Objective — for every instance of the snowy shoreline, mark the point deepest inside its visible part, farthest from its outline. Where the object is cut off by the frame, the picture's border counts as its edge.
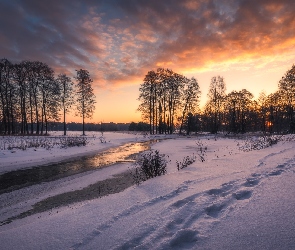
(16, 159)
(184, 209)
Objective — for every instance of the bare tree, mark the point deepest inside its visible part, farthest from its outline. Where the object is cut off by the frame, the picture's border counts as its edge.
(85, 96)
(262, 110)
(34, 95)
(287, 90)
(215, 104)
(148, 98)
(190, 100)
(8, 96)
(49, 95)
(238, 104)
(175, 84)
(20, 72)
(67, 96)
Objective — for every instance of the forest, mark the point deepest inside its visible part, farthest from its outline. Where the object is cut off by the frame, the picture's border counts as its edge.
(31, 97)
(169, 102)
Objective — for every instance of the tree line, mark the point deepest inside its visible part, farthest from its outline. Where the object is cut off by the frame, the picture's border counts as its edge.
(31, 96)
(100, 127)
(169, 102)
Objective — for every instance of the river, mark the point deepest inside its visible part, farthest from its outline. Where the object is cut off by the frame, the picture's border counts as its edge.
(30, 176)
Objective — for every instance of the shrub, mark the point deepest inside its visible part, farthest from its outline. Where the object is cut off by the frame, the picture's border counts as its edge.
(102, 138)
(26, 142)
(66, 142)
(149, 165)
(201, 150)
(259, 143)
(188, 160)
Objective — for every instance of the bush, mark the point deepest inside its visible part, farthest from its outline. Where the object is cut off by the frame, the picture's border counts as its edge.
(26, 142)
(149, 165)
(259, 143)
(102, 138)
(201, 150)
(67, 142)
(188, 160)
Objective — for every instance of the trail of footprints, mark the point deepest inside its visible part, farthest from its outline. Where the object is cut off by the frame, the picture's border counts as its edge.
(227, 195)
(216, 203)
(219, 202)
(187, 213)
(239, 191)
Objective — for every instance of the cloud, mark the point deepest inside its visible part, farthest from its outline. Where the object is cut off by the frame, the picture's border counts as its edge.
(119, 41)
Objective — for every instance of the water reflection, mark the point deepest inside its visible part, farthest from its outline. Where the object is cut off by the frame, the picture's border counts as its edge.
(26, 177)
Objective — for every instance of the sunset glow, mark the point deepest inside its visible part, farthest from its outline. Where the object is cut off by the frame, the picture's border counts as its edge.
(250, 43)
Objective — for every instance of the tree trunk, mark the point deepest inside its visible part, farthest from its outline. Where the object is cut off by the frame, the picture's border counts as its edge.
(37, 115)
(83, 114)
(42, 118)
(65, 127)
(64, 108)
(31, 111)
(83, 124)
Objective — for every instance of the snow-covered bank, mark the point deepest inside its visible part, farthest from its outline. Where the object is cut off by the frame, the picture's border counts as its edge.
(184, 209)
(15, 159)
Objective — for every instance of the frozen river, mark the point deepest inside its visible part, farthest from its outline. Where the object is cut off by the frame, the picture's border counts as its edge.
(25, 177)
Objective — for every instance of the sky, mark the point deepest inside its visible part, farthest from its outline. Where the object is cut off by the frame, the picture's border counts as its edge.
(251, 43)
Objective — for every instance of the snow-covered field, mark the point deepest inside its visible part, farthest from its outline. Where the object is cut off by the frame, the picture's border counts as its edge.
(235, 199)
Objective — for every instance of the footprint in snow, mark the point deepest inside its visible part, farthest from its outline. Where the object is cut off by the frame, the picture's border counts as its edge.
(251, 182)
(215, 191)
(255, 175)
(223, 191)
(276, 172)
(214, 210)
(179, 203)
(173, 224)
(185, 238)
(242, 195)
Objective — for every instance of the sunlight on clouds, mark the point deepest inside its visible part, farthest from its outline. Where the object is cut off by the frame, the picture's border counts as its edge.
(146, 36)
(164, 64)
(191, 5)
(244, 63)
(274, 7)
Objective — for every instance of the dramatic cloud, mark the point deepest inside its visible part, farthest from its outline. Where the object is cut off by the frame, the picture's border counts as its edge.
(119, 41)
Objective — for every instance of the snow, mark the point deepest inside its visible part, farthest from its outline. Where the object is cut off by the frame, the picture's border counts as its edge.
(235, 199)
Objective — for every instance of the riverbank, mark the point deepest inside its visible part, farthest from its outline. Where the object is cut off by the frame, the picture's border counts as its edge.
(13, 159)
(16, 159)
